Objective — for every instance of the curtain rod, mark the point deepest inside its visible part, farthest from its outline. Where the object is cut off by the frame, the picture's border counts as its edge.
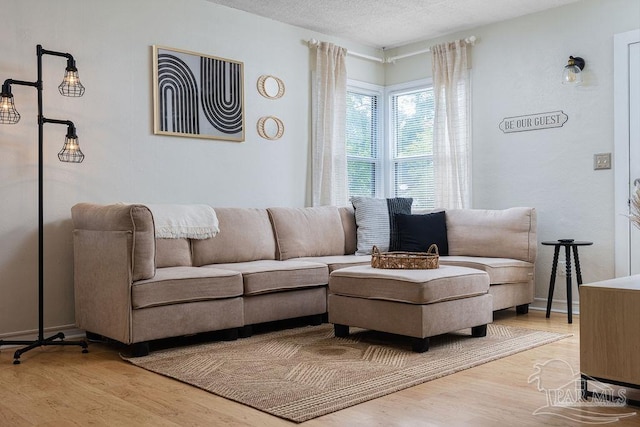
(471, 40)
(313, 42)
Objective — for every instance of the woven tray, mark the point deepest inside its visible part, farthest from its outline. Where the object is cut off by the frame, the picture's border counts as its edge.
(406, 260)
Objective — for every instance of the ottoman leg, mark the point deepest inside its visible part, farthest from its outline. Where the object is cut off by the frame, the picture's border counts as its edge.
(479, 331)
(341, 330)
(420, 345)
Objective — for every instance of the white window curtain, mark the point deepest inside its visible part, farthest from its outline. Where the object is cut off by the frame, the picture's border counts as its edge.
(452, 134)
(329, 158)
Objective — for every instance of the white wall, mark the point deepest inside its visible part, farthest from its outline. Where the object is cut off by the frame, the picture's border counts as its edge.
(111, 41)
(517, 66)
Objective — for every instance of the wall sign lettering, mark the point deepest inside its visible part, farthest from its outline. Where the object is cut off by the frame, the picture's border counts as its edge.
(552, 119)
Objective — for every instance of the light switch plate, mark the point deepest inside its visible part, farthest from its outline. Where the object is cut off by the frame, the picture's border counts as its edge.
(602, 161)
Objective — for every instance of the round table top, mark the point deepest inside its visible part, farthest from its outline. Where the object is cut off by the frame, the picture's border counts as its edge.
(567, 242)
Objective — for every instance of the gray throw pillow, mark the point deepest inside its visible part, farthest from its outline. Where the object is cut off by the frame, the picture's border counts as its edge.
(374, 221)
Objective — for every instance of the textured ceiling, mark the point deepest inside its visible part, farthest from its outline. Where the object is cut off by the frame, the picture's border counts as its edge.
(390, 23)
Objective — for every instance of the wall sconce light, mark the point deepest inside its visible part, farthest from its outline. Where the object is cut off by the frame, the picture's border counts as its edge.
(70, 152)
(572, 73)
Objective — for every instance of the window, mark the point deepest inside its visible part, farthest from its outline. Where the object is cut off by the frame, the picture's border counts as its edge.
(401, 163)
(411, 134)
(364, 172)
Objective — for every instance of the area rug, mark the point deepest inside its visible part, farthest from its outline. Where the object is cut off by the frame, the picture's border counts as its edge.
(302, 373)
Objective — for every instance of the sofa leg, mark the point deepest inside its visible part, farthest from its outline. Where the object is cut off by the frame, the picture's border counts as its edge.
(246, 331)
(230, 334)
(479, 331)
(341, 331)
(420, 345)
(139, 349)
(315, 320)
(522, 309)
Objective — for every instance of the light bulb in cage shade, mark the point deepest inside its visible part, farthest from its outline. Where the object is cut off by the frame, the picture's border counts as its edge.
(71, 85)
(8, 112)
(71, 152)
(572, 72)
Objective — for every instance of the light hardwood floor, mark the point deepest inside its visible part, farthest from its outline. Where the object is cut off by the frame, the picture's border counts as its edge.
(59, 386)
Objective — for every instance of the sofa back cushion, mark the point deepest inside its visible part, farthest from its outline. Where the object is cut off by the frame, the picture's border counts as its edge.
(173, 253)
(245, 235)
(305, 232)
(348, 217)
(136, 219)
(508, 233)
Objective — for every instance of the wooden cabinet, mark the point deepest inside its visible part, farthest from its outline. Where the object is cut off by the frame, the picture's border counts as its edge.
(610, 330)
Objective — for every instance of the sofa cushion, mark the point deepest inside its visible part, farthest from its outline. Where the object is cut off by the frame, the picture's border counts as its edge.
(500, 270)
(173, 253)
(136, 219)
(374, 221)
(335, 262)
(174, 285)
(261, 277)
(409, 286)
(245, 235)
(508, 233)
(417, 232)
(312, 231)
(348, 217)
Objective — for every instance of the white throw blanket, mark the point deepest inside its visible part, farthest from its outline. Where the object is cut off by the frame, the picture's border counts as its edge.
(184, 221)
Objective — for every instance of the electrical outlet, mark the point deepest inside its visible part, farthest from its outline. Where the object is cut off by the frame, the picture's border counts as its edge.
(602, 161)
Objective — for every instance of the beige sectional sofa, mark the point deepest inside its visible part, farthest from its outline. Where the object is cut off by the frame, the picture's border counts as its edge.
(264, 265)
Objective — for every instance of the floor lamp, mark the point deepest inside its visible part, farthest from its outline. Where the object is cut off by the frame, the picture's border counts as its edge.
(70, 152)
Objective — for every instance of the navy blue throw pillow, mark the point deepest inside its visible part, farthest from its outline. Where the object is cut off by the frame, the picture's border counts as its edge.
(417, 232)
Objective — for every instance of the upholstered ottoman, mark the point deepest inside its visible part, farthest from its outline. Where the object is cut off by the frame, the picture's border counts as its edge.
(416, 303)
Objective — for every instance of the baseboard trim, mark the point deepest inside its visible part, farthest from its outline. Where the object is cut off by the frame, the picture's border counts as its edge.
(69, 331)
(557, 306)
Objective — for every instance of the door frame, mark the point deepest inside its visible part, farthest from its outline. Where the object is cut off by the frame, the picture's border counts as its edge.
(622, 176)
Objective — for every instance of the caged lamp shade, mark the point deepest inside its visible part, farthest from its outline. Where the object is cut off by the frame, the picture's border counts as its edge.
(8, 112)
(71, 152)
(71, 85)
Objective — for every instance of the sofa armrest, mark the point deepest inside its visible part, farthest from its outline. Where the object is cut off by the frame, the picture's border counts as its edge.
(102, 282)
(136, 219)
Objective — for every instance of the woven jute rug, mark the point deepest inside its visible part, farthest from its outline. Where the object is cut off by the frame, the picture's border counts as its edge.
(302, 373)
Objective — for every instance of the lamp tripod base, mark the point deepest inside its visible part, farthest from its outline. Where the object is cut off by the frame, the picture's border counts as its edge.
(42, 342)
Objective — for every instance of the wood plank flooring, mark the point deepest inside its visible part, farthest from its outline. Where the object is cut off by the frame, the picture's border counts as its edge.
(60, 386)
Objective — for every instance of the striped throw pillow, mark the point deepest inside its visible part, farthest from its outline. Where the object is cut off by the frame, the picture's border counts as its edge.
(374, 221)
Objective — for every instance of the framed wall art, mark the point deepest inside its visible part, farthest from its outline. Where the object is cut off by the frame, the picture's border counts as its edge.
(197, 95)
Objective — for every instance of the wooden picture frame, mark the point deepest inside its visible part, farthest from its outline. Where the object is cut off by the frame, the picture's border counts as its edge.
(197, 95)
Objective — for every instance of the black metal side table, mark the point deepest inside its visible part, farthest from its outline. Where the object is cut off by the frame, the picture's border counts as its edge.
(568, 244)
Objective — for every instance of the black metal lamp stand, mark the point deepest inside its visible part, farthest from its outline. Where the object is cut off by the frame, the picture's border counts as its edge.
(70, 152)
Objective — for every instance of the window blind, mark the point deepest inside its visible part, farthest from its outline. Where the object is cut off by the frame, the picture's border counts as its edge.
(412, 118)
(362, 139)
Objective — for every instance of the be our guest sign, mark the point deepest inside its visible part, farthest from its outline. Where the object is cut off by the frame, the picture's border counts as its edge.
(552, 119)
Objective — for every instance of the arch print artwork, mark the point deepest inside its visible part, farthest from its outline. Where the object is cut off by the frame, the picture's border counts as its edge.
(197, 95)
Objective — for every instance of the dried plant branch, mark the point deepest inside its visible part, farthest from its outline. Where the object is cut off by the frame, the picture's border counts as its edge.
(635, 208)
